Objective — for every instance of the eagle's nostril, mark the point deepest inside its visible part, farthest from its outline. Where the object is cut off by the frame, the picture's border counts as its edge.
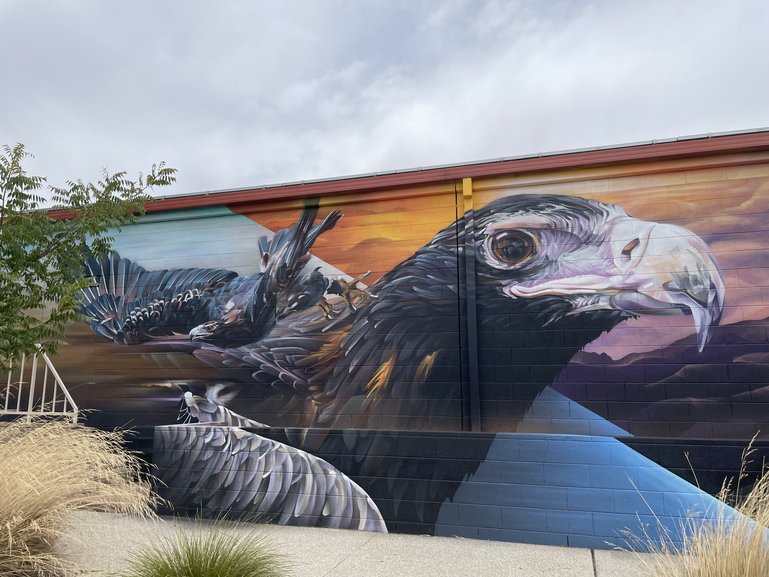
(627, 251)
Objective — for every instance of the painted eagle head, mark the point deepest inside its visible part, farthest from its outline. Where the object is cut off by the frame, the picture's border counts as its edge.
(584, 263)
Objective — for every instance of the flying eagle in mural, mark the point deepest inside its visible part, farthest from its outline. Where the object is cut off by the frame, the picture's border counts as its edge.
(132, 305)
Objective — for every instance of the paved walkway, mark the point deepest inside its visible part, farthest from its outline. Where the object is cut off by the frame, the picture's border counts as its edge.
(101, 543)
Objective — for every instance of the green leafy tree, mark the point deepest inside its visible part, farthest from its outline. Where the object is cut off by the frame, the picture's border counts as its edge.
(42, 250)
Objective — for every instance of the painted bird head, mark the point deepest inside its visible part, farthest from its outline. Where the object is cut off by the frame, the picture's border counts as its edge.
(576, 261)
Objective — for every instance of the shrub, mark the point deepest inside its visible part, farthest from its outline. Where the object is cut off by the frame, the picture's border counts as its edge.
(724, 547)
(218, 551)
(49, 469)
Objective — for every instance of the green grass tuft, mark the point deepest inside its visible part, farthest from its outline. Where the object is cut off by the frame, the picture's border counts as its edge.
(216, 551)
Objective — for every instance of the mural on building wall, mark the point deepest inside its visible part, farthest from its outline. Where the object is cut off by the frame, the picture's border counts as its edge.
(552, 274)
(335, 353)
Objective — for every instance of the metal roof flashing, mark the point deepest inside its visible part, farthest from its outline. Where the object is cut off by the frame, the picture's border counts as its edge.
(655, 150)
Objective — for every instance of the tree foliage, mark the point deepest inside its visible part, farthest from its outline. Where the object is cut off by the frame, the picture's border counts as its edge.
(42, 250)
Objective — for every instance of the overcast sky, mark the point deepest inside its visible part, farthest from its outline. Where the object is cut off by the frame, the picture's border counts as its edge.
(242, 93)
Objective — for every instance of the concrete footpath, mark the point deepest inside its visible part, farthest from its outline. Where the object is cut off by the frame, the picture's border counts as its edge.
(101, 543)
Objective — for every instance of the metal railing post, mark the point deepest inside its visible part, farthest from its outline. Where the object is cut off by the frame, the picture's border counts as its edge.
(21, 381)
(68, 406)
(32, 378)
(8, 386)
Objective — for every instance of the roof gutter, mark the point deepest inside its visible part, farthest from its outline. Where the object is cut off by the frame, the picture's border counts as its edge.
(653, 151)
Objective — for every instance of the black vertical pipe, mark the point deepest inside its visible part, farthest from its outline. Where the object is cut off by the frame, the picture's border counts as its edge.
(472, 316)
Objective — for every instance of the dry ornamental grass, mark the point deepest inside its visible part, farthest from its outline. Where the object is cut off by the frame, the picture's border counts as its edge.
(729, 546)
(49, 469)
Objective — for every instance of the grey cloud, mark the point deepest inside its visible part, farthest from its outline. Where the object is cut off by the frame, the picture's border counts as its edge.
(244, 93)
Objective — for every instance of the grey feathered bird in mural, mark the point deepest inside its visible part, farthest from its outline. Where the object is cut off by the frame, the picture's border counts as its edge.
(221, 463)
(132, 305)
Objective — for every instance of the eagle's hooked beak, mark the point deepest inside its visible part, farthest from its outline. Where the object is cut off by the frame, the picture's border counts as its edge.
(204, 331)
(639, 268)
(668, 269)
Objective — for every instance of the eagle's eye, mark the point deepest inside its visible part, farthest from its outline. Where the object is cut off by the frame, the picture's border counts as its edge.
(512, 248)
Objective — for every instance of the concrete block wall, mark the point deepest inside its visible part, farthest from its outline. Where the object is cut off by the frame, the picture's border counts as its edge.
(569, 490)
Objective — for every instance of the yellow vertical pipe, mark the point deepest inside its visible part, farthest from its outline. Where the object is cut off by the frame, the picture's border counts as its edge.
(467, 193)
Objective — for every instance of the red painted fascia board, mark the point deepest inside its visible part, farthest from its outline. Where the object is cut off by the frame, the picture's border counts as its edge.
(647, 152)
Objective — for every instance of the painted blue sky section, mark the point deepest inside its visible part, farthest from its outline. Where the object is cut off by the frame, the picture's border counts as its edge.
(208, 237)
(212, 237)
(572, 490)
(552, 412)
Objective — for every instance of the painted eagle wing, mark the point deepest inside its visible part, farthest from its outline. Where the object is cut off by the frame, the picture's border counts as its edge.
(228, 469)
(131, 305)
(370, 362)
(396, 344)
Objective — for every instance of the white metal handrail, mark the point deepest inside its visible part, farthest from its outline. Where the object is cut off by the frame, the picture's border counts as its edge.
(35, 390)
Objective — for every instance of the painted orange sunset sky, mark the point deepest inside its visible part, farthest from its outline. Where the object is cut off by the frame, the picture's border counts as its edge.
(727, 207)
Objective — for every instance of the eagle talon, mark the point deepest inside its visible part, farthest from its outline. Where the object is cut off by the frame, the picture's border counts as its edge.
(326, 308)
(351, 294)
